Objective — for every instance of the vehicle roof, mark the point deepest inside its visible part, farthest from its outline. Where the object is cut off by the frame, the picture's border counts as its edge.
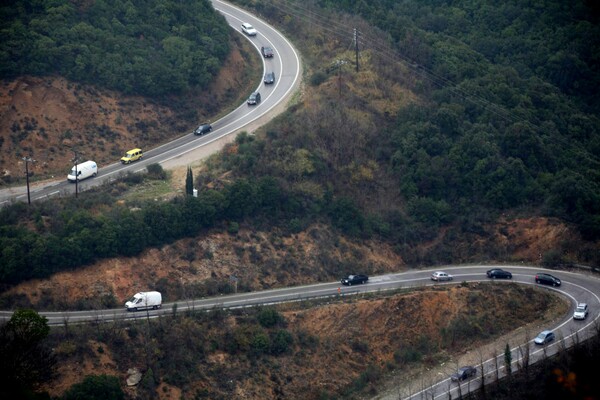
(133, 150)
(247, 25)
(545, 332)
(582, 305)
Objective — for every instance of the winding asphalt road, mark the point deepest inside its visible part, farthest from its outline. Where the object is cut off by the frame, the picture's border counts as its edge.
(287, 68)
(286, 65)
(576, 287)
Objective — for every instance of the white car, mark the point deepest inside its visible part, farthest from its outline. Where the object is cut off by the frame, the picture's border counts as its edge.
(581, 312)
(248, 29)
(441, 276)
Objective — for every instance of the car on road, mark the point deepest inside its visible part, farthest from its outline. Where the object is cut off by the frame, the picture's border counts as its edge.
(464, 373)
(354, 280)
(132, 155)
(544, 337)
(266, 51)
(254, 99)
(439, 276)
(498, 273)
(248, 29)
(581, 312)
(547, 279)
(202, 129)
(269, 78)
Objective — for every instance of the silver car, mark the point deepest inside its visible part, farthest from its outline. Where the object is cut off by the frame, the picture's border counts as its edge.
(248, 29)
(439, 276)
(544, 337)
(581, 312)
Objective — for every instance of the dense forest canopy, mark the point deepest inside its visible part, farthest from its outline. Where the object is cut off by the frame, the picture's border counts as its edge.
(556, 41)
(145, 47)
(508, 111)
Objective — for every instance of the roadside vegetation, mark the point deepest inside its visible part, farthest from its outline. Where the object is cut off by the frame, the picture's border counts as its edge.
(383, 153)
(320, 349)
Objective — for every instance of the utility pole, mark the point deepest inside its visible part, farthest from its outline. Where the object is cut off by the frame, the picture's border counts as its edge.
(76, 160)
(27, 161)
(356, 46)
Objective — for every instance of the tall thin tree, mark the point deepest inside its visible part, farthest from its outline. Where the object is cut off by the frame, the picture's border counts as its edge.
(189, 182)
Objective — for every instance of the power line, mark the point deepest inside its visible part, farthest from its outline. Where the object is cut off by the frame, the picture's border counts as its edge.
(331, 25)
(341, 30)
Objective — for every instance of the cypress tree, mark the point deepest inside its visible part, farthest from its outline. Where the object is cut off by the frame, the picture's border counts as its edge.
(189, 182)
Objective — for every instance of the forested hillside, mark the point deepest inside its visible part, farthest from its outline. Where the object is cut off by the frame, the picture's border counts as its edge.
(429, 155)
(506, 116)
(144, 47)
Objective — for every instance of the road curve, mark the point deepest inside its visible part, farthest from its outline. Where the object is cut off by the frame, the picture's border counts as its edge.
(287, 67)
(576, 287)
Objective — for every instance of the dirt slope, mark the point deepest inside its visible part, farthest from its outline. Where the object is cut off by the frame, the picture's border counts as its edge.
(46, 117)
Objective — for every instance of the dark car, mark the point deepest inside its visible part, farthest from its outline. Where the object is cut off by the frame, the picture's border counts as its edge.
(267, 52)
(202, 129)
(498, 273)
(254, 98)
(269, 77)
(547, 279)
(355, 280)
(464, 373)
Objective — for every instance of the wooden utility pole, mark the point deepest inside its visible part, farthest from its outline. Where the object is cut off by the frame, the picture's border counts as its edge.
(76, 160)
(356, 46)
(27, 161)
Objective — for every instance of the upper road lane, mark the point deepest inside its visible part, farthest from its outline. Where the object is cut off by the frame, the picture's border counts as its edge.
(287, 68)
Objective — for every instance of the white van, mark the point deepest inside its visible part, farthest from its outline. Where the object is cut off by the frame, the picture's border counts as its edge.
(144, 300)
(84, 170)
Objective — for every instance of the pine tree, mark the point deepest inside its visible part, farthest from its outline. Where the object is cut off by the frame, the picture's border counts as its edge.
(189, 182)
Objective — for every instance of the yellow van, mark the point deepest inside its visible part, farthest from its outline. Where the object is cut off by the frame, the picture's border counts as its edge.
(132, 155)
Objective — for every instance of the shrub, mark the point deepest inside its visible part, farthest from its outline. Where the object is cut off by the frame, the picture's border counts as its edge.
(317, 78)
(156, 171)
(407, 355)
(96, 387)
(260, 343)
(269, 317)
(281, 342)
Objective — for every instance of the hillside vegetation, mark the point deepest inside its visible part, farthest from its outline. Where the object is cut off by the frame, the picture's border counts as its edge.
(504, 114)
(396, 158)
(148, 47)
(339, 350)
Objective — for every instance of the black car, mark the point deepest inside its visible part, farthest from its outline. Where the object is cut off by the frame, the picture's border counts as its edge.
(547, 279)
(498, 273)
(267, 52)
(464, 373)
(254, 99)
(354, 280)
(269, 78)
(202, 129)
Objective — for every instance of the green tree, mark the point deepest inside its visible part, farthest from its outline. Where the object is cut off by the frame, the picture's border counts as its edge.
(281, 342)
(508, 360)
(269, 317)
(26, 360)
(189, 182)
(96, 387)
